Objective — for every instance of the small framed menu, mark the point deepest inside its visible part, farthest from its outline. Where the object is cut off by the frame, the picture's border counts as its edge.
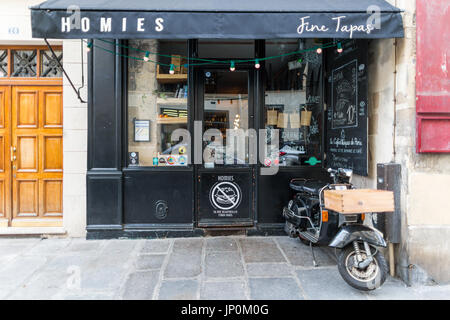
(141, 130)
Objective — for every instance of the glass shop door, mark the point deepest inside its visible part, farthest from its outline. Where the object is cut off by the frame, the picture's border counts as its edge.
(226, 177)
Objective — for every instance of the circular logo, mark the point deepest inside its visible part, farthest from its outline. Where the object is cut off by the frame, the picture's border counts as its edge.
(267, 162)
(171, 160)
(225, 195)
(182, 160)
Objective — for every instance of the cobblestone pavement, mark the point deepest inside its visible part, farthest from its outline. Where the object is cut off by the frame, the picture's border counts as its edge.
(190, 268)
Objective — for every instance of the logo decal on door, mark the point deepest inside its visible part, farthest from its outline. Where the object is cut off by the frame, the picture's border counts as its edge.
(225, 195)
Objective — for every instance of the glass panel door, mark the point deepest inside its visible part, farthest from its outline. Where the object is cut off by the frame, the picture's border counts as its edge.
(225, 118)
(225, 178)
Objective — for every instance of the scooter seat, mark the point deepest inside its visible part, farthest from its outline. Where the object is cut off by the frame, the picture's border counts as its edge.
(308, 186)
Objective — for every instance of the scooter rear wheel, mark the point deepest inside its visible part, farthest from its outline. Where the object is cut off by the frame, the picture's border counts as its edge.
(370, 278)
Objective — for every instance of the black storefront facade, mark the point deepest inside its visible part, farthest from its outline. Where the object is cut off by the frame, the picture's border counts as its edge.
(155, 67)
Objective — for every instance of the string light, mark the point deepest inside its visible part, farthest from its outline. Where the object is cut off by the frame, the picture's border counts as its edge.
(89, 46)
(318, 49)
(232, 66)
(147, 55)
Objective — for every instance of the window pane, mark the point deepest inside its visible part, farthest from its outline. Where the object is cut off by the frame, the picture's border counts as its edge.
(49, 65)
(293, 101)
(3, 63)
(225, 118)
(226, 49)
(24, 63)
(157, 103)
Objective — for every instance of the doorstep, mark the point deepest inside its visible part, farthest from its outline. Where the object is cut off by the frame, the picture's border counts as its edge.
(25, 231)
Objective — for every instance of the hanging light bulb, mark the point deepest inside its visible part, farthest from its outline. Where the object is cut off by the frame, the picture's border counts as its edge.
(319, 50)
(339, 48)
(257, 65)
(89, 46)
(232, 66)
(147, 54)
(172, 69)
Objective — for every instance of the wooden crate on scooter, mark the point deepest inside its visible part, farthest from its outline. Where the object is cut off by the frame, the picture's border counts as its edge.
(359, 201)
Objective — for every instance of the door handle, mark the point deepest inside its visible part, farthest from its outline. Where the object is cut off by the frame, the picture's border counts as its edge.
(13, 157)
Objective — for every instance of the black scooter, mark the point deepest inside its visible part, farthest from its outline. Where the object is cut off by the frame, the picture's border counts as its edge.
(360, 263)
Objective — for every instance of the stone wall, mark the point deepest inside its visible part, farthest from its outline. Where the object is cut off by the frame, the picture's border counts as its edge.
(75, 140)
(424, 254)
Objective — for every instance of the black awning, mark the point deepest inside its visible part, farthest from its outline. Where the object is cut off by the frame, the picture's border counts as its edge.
(214, 19)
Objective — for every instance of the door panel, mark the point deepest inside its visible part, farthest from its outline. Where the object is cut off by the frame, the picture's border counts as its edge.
(5, 161)
(225, 179)
(37, 170)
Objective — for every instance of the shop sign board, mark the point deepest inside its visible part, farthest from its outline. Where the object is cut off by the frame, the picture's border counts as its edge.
(347, 108)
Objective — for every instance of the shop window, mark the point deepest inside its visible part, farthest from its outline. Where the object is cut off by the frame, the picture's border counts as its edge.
(157, 103)
(293, 102)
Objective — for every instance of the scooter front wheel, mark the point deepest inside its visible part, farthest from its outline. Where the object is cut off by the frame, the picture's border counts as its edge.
(369, 278)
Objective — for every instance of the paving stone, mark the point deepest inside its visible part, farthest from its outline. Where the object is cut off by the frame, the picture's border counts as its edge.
(119, 247)
(187, 245)
(327, 284)
(105, 278)
(156, 246)
(268, 270)
(274, 289)
(394, 289)
(178, 290)
(153, 261)
(428, 293)
(9, 252)
(185, 260)
(85, 247)
(45, 285)
(221, 244)
(223, 264)
(260, 250)
(18, 270)
(48, 247)
(230, 290)
(83, 295)
(140, 285)
(299, 254)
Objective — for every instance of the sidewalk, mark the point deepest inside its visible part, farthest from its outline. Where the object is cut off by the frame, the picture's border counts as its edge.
(192, 268)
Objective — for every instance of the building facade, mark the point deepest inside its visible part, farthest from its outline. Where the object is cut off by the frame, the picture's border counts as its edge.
(116, 165)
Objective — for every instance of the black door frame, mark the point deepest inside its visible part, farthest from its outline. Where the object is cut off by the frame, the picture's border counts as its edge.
(252, 168)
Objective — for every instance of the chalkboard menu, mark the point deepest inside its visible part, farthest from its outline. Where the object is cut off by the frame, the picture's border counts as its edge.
(347, 107)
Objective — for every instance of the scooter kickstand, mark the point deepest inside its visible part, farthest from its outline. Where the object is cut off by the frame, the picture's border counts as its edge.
(315, 264)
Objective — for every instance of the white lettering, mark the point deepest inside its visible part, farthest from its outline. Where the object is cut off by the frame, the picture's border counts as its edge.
(338, 26)
(305, 26)
(124, 24)
(65, 24)
(105, 24)
(159, 24)
(85, 24)
(140, 24)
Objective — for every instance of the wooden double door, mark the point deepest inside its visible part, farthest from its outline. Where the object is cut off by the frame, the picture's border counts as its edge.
(31, 156)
